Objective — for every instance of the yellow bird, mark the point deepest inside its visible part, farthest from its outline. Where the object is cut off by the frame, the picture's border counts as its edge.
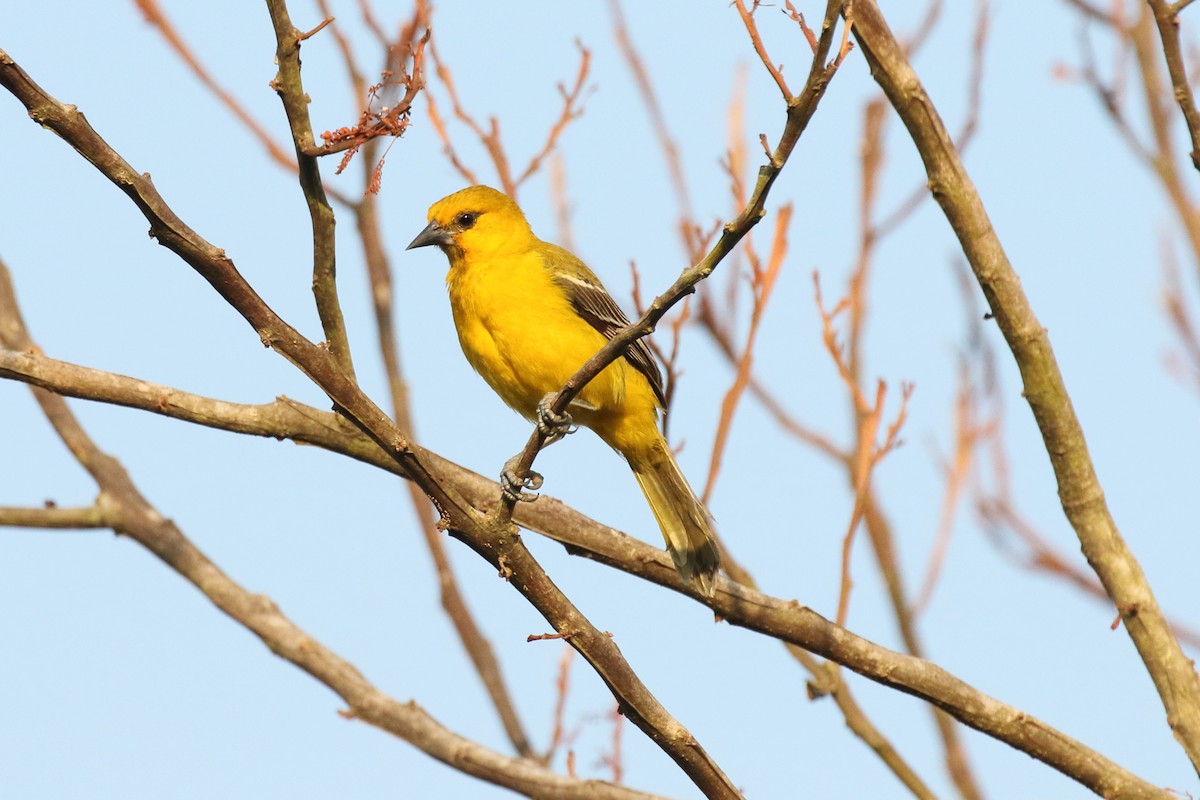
(529, 314)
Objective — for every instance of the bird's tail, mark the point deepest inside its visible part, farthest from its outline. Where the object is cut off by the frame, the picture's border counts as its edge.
(686, 524)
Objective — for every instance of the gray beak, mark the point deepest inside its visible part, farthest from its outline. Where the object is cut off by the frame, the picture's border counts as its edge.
(433, 234)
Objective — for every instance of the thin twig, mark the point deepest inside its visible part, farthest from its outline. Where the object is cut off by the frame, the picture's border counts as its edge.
(490, 138)
(867, 454)
(761, 287)
(776, 72)
(559, 736)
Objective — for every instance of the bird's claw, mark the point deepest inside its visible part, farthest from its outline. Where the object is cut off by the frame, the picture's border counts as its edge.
(518, 485)
(515, 486)
(553, 425)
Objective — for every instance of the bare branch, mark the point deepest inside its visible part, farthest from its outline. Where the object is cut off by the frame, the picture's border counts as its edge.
(572, 109)
(1166, 17)
(1082, 497)
(288, 85)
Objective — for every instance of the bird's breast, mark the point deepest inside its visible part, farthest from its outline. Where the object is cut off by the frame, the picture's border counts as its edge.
(520, 333)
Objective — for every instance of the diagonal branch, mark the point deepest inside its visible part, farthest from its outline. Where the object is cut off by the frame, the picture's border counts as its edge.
(1166, 17)
(1082, 498)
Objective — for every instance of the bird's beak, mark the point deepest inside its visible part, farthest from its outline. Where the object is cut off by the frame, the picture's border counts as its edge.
(433, 234)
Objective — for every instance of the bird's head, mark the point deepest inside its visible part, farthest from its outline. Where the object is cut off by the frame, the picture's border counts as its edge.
(476, 222)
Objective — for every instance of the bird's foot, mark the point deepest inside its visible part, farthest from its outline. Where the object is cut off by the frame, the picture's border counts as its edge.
(515, 484)
(553, 426)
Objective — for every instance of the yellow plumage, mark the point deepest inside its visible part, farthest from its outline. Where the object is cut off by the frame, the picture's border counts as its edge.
(528, 315)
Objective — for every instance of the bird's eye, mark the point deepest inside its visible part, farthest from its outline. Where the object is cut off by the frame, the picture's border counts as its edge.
(466, 219)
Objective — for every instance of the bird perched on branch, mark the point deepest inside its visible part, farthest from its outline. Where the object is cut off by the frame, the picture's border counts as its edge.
(529, 314)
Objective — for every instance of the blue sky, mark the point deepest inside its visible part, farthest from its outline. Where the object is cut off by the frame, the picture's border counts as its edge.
(122, 681)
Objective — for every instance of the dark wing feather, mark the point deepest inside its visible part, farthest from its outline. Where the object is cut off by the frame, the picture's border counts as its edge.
(594, 304)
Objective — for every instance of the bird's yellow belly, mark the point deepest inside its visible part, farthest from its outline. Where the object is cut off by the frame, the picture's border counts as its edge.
(527, 342)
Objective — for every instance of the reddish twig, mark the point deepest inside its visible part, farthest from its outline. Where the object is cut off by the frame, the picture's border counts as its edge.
(380, 117)
(867, 453)
(439, 127)
(562, 686)
(762, 283)
(614, 759)
(490, 138)
(562, 205)
(776, 72)
(969, 433)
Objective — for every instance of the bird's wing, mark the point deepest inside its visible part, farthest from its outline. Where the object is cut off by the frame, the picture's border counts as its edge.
(594, 304)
